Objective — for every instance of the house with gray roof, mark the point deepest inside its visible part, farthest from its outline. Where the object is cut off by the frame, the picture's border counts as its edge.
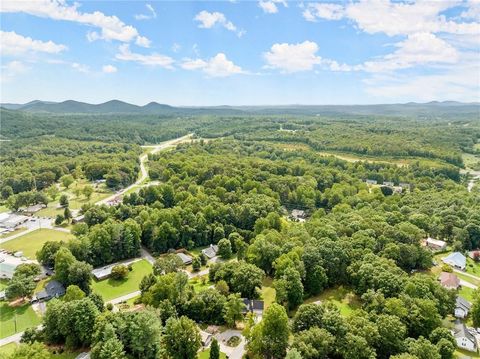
(462, 307)
(211, 251)
(53, 289)
(186, 259)
(456, 260)
(465, 340)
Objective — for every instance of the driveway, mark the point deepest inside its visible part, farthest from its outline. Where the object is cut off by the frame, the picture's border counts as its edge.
(231, 352)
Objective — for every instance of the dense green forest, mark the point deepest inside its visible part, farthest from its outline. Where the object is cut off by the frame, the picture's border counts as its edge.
(235, 184)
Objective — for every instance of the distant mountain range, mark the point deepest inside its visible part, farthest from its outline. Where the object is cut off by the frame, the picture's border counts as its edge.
(153, 108)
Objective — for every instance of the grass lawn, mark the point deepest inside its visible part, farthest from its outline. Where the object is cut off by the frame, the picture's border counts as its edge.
(111, 288)
(3, 284)
(199, 285)
(460, 353)
(205, 354)
(467, 293)
(343, 298)
(31, 242)
(468, 279)
(268, 292)
(473, 267)
(24, 317)
(9, 349)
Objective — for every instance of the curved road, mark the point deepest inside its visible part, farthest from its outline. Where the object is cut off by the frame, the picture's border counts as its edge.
(143, 170)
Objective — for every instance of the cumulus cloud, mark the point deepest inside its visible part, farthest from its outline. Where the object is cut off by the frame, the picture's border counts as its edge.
(207, 20)
(397, 18)
(11, 69)
(217, 66)
(149, 60)
(12, 43)
(152, 14)
(270, 6)
(111, 27)
(417, 49)
(293, 57)
(109, 69)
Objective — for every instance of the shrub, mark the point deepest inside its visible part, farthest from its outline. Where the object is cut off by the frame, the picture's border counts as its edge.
(119, 271)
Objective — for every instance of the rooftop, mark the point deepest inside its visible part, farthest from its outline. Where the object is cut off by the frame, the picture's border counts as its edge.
(456, 259)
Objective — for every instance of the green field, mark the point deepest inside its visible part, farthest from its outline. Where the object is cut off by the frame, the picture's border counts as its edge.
(9, 348)
(111, 288)
(467, 293)
(205, 354)
(31, 242)
(344, 299)
(15, 231)
(198, 285)
(15, 320)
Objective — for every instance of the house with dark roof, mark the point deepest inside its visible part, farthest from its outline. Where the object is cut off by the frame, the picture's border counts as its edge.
(449, 280)
(456, 260)
(211, 251)
(253, 306)
(462, 307)
(465, 340)
(53, 289)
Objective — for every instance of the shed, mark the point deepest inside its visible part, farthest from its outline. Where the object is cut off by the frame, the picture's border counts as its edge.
(186, 259)
(436, 244)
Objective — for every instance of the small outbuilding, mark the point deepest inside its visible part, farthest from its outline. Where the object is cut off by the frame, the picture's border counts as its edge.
(298, 215)
(436, 244)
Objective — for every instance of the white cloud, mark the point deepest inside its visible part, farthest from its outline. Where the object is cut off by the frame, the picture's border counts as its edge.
(12, 43)
(176, 47)
(395, 18)
(461, 84)
(109, 69)
(149, 60)
(11, 69)
(142, 41)
(207, 20)
(323, 11)
(293, 57)
(217, 66)
(152, 14)
(111, 27)
(80, 68)
(417, 49)
(270, 6)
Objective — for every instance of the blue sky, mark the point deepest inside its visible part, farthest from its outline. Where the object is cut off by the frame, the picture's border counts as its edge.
(240, 52)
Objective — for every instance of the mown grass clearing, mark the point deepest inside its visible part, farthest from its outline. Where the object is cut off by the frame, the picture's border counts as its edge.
(205, 354)
(345, 300)
(112, 288)
(268, 292)
(32, 242)
(16, 319)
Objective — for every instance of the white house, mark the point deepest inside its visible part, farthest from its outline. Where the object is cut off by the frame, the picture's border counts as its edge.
(456, 260)
(462, 307)
(465, 340)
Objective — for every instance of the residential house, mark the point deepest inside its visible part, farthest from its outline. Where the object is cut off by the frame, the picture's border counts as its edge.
(53, 289)
(104, 272)
(206, 338)
(462, 307)
(449, 280)
(253, 306)
(456, 260)
(211, 251)
(465, 340)
(436, 244)
(186, 259)
(370, 181)
(13, 221)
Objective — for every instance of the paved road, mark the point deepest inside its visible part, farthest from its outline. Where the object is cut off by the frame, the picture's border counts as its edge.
(31, 225)
(125, 297)
(464, 283)
(143, 170)
(466, 274)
